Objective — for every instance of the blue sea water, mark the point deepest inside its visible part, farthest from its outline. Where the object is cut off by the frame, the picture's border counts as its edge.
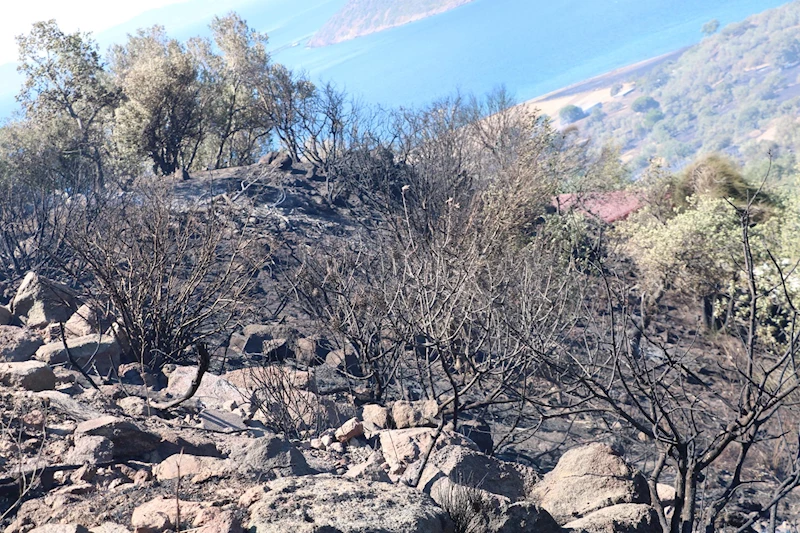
(530, 46)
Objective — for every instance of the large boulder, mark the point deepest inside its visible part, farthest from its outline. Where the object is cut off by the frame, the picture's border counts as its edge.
(129, 441)
(414, 414)
(587, 479)
(270, 340)
(40, 301)
(623, 518)
(325, 503)
(473, 509)
(99, 351)
(269, 457)
(161, 514)
(18, 344)
(401, 447)
(29, 375)
(466, 466)
(193, 467)
(85, 321)
(214, 391)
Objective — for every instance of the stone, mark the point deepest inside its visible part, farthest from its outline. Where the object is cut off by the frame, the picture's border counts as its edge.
(622, 518)
(129, 441)
(5, 315)
(270, 340)
(377, 415)
(586, 479)
(270, 456)
(414, 414)
(85, 321)
(222, 421)
(479, 432)
(370, 470)
(479, 510)
(316, 444)
(109, 527)
(465, 466)
(91, 450)
(336, 447)
(160, 514)
(134, 406)
(350, 429)
(59, 528)
(282, 161)
(345, 360)
(401, 447)
(18, 344)
(39, 301)
(214, 391)
(64, 404)
(666, 494)
(325, 503)
(192, 467)
(311, 351)
(215, 520)
(283, 376)
(100, 351)
(29, 375)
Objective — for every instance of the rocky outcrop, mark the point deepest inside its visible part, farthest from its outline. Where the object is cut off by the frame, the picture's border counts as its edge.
(39, 301)
(129, 441)
(326, 503)
(623, 518)
(587, 479)
(269, 457)
(18, 344)
(414, 414)
(29, 375)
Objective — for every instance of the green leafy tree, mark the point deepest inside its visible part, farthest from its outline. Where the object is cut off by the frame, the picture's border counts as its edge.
(644, 104)
(571, 113)
(163, 116)
(67, 87)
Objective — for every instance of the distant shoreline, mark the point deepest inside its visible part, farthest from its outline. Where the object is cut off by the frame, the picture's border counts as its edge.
(609, 78)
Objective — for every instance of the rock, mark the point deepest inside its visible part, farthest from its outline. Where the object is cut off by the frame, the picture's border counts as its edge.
(282, 161)
(64, 404)
(215, 520)
(269, 457)
(401, 447)
(414, 414)
(91, 450)
(134, 406)
(479, 432)
(336, 447)
(325, 503)
(160, 514)
(465, 466)
(370, 470)
(350, 429)
(316, 444)
(109, 527)
(40, 301)
(267, 158)
(59, 528)
(5, 315)
(270, 340)
(102, 351)
(18, 344)
(622, 518)
(666, 494)
(85, 321)
(474, 509)
(345, 360)
(191, 444)
(587, 479)
(311, 351)
(222, 421)
(213, 392)
(271, 375)
(377, 415)
(194, 467)
(129, 441)
(29, 375)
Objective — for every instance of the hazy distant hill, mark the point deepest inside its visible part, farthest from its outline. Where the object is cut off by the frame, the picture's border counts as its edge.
(737, 92)
(362, 17)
